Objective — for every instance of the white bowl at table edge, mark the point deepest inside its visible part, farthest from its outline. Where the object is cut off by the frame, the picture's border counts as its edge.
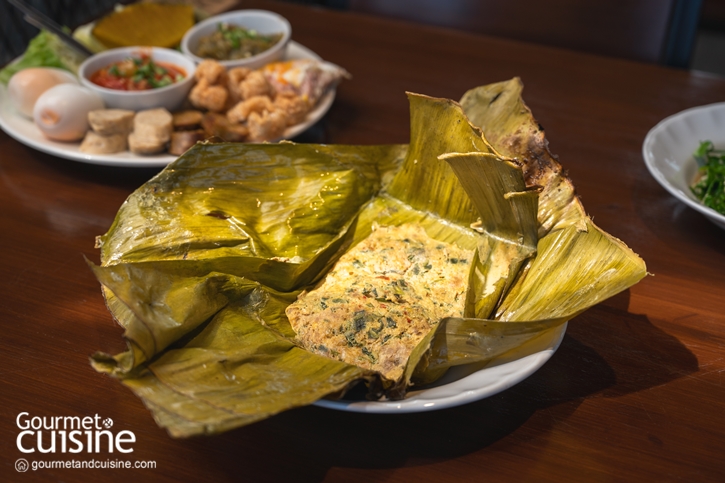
(668, 148)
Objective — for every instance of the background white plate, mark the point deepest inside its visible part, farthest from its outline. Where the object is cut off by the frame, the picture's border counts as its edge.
(25, 131)
(465, 384)
(668, 148)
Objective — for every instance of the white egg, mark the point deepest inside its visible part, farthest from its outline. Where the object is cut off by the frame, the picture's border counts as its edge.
(61, 112)
(27, 85)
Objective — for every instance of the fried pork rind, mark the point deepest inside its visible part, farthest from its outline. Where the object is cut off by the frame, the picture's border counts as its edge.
(254, 84)
(266, 125)
(206, 96)
(293, 107)
(235, 76)
(216, 124)
(280, 94)
(202, 261)
(211, 71)
(240, 112)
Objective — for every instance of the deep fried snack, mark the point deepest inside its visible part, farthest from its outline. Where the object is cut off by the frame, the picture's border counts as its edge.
(293, 107)
(255, 84)
(211, 71)
(235, 76)
(241, 111)
(207, 96)
(267, 126)
(217, 124)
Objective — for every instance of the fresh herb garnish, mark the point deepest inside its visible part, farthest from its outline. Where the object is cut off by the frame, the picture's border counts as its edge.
(710, 186)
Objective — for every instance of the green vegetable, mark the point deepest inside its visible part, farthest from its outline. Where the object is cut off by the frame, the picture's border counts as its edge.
(710, 187)
(45, 50)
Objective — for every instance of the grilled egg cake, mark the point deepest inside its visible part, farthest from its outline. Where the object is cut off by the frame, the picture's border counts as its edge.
(381, 298)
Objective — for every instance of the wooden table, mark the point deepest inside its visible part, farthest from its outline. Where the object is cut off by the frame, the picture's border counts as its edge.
(636, 391)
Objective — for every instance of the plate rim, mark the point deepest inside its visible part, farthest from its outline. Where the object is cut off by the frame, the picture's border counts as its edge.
(515, 371)
(8, 117)
(654, 171)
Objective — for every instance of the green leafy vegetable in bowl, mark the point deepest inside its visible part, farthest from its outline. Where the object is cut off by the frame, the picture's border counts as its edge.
(710, 184)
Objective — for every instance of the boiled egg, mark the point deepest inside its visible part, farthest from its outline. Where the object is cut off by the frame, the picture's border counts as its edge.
(27, 85)
(61, 112)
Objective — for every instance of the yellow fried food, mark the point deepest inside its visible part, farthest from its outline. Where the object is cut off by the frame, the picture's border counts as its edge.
(255, 84)
(241, 111)
(206, 96)
(266, 126)
(150, 24)
(294, 108)
(211, 71)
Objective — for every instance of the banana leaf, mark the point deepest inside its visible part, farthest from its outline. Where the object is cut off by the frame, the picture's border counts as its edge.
(269, 213)
(548, 291)
(201, 262)
(234, 372)
(499, 110)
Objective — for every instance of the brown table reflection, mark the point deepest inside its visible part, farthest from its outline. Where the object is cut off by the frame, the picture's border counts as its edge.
(636, 391)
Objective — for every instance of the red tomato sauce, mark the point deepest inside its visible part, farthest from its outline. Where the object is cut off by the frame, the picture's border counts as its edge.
(138, 74)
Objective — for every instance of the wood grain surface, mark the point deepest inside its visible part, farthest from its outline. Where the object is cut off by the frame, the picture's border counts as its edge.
(636, 391)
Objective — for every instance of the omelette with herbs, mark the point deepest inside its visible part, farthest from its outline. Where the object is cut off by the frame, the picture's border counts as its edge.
(381, 298)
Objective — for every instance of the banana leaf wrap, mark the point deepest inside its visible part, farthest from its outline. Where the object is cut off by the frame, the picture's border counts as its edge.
(203, 259)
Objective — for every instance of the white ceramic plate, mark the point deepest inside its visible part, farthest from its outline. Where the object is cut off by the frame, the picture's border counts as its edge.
(465, 384)
(668, 149)
(25, 131)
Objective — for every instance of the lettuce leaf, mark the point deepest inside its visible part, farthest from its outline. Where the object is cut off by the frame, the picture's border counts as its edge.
(44, 50)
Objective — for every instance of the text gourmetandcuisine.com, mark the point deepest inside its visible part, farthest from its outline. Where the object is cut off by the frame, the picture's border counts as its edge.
(23, 465)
